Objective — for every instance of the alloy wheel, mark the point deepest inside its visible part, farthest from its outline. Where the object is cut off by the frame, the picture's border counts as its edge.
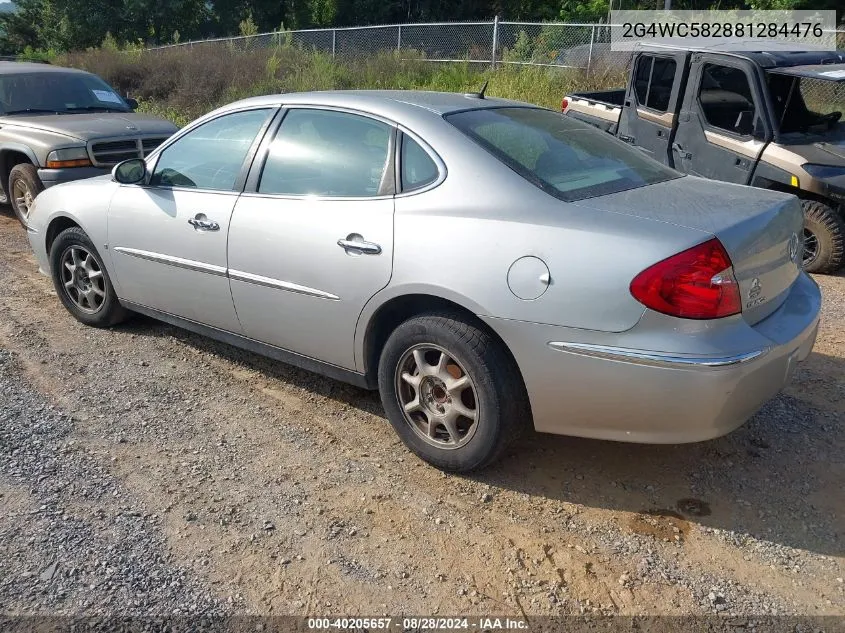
(437, 396)
(83, 280)
(23, 197)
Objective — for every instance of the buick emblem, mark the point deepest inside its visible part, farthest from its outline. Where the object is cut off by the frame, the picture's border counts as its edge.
(794, 247)
(755, 294)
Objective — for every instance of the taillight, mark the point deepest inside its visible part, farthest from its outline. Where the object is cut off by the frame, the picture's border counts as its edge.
(564, 104)
(698, 283)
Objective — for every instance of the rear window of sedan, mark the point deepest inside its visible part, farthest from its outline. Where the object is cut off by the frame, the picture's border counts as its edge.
(567, 159)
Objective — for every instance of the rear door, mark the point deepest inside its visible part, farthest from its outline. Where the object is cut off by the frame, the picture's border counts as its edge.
(654, 96)
(311, 238)
(723, 126)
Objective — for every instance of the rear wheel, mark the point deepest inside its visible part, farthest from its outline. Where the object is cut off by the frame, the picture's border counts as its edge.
(451, 392)
(824, 237)
(24, 186)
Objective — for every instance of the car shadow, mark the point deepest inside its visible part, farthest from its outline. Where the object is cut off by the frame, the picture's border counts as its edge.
(778, 478)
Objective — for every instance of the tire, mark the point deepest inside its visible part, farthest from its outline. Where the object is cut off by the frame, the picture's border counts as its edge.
(90, 298)
(824, 233)
(25, 177)
(495, 394)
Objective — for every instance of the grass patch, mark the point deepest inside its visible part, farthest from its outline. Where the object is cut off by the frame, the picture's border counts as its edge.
(183, 83)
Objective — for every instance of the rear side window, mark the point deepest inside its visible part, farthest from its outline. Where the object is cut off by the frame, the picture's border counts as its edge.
(653, 81)
(418, 168)
(567, 159)
(327, 153)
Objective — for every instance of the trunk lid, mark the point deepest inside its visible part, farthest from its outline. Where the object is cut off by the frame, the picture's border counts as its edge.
(760, 229)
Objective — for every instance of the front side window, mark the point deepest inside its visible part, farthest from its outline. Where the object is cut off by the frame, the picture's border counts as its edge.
(210, 156)
(803, 103)
(418, 168)
(726, 99)
(567, 159)
(327, 153)
(51, 92)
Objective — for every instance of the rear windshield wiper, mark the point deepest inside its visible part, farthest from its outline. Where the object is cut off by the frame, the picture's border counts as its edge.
(30, 111)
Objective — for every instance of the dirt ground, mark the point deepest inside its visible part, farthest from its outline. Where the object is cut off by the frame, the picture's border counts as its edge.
(281, 492)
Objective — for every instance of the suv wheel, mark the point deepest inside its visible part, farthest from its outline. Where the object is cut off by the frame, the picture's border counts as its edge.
(824, 237)
(451, 392)
(24, 186)
(81, 280)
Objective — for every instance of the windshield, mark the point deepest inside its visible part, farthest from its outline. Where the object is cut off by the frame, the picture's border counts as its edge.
(803, 104)
(565, 158)
(57, 92)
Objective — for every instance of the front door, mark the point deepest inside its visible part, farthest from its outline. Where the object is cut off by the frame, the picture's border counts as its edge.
(654, 95)
(311, 239)
(723, 126)
(168, 237)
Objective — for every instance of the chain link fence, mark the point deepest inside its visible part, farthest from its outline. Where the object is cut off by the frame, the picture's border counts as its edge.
(496, 43)
(566, 45)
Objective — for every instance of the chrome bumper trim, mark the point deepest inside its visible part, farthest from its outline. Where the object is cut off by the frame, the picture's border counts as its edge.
(656, 359)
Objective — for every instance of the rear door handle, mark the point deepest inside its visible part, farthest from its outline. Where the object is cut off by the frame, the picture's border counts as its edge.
(356, 243)
(626, 138)
(201, 223)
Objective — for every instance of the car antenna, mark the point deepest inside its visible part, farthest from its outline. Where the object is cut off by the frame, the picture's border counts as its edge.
(480, 93)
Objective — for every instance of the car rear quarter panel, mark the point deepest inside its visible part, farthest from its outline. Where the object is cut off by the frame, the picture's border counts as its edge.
(459, 240)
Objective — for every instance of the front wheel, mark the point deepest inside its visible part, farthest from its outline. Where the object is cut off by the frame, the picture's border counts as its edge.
(81, 280)
(451, 393)
(824, 237)
(24, 186)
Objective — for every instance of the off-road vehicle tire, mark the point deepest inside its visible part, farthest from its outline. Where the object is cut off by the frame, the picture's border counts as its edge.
(82, 282)
(824, 237)
(492, 391)
(25, 178)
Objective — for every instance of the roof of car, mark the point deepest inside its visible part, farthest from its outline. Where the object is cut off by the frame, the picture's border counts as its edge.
(778, 54)
(14, 68)
(386, 102)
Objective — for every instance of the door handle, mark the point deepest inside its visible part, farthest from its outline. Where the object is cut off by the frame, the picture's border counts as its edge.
(626, 138)
(677, 147)
(201, 223)
(356, 243)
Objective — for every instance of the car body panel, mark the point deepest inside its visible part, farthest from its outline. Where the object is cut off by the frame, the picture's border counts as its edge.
(293, 285)
(457, 241)
(638, 402)
(163, 262)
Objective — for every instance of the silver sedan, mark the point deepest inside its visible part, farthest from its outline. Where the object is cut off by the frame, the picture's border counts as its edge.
(485, 264)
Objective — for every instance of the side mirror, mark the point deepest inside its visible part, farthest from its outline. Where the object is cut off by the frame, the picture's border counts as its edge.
(132, 103)
(130, 172)
(745, 123)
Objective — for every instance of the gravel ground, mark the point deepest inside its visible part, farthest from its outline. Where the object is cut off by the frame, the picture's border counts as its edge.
(147, 470)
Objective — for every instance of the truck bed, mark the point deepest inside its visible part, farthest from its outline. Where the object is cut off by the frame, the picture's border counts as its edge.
(601, 109)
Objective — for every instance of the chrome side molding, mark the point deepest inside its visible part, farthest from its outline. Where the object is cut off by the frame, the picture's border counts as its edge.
(170, 260)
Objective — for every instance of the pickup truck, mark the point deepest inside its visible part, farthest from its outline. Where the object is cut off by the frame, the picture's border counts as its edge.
(60, 124)
(767, 119)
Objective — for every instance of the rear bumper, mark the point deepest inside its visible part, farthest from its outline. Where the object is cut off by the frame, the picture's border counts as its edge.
(609, 390)
(51, 177)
